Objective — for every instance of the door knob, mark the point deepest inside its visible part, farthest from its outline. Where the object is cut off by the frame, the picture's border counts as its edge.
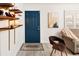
(38, 28)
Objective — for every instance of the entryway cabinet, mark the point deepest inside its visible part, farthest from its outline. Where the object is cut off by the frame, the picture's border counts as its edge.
(4, 43)
(12, 47)
(10, 34)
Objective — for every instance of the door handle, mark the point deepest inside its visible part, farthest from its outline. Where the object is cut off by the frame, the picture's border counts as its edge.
(38, 28)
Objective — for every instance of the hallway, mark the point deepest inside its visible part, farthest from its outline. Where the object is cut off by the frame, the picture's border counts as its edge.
(46, 52)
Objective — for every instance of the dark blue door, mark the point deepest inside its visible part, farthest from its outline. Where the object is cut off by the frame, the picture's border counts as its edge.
(32, 26)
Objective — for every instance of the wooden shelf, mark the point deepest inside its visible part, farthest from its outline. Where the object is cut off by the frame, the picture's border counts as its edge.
(16, 10)
(6, 5)
(7, 18)
(7, 28)
(14, 19)
(16, 26)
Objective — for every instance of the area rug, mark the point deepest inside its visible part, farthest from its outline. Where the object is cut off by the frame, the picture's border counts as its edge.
(32, 47)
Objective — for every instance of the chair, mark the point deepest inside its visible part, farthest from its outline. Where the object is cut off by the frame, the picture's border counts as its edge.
(57, 44)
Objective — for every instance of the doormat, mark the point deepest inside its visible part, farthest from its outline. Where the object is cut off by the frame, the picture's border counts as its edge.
(32, 47)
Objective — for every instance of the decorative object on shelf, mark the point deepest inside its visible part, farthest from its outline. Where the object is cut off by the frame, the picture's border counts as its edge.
(4, 12)
(6, 15)
(1, 12)
(9, 14)
(52, 20)
(11, 26)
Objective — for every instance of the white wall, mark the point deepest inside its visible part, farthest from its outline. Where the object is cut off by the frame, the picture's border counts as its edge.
(21, 7)
(45, 32)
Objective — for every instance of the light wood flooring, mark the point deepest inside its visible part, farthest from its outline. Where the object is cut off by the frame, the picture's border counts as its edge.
(47, 50)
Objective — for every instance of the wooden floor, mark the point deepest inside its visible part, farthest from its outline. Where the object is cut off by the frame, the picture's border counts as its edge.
(46, 52)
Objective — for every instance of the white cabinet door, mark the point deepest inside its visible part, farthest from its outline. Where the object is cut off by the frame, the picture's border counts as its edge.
(4, 37)
(11, 41)
(7, 43)
(12, 44)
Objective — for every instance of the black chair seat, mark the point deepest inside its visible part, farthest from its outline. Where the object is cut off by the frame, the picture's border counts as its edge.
(57, 44)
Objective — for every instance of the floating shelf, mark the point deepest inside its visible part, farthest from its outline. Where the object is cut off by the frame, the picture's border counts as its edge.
(14, 19)
(6, 5)
(16, 26)
(7, 18)
(16, 10)
(7, 28)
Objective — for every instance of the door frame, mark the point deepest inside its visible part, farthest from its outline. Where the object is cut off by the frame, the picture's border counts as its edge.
(39, 20)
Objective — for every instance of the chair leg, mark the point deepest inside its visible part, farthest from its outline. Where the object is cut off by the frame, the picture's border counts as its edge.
(55, 51)
(61, 53)
(65, 52)
(51, 52)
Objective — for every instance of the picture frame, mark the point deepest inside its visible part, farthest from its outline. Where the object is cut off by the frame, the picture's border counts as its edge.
(52, 20)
